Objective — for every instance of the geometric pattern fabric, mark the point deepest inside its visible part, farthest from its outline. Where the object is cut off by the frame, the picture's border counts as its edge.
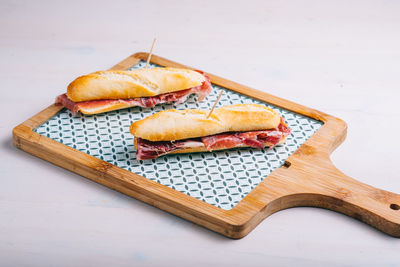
(221, 178)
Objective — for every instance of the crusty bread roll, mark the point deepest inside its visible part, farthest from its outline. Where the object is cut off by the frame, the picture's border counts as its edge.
(116, 84)
(170, 125)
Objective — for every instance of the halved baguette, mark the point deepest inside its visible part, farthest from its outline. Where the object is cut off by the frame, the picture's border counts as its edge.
(116, 84)
(170, 125)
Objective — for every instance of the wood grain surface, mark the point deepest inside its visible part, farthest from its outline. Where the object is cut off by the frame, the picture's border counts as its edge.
(308, 178)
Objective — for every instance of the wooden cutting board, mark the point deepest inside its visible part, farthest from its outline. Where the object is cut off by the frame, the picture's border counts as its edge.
(307, 177)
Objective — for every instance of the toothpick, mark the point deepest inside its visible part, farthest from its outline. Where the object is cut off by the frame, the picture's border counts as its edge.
(151, 52)
(216, 102)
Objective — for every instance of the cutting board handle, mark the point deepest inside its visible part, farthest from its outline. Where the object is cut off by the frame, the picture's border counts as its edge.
(334, 190)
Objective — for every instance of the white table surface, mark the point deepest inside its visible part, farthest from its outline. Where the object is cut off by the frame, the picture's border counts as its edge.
(340, 57)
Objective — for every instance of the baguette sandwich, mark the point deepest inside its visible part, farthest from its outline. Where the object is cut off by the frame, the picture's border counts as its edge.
(187, 131)
(104, 91)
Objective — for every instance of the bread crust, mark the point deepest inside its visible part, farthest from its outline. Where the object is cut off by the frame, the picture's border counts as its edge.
(115, 84)
(174, 124)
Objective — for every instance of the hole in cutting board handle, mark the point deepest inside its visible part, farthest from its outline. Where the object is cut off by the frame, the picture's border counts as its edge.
(287, 164)
(394, 207)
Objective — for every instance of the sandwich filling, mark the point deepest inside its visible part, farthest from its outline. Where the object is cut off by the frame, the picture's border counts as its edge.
(98, 106)
(257, 139)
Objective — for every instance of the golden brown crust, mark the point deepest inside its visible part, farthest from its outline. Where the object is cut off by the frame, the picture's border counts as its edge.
(174, 124)
(115, 84)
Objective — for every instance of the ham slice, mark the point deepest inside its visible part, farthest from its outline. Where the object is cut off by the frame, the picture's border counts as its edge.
(257, 139)
(98, 106)
(151, 150)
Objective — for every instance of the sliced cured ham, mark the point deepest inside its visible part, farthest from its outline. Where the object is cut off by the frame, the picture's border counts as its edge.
(98, 106)
(151, 150)
(256, 139)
